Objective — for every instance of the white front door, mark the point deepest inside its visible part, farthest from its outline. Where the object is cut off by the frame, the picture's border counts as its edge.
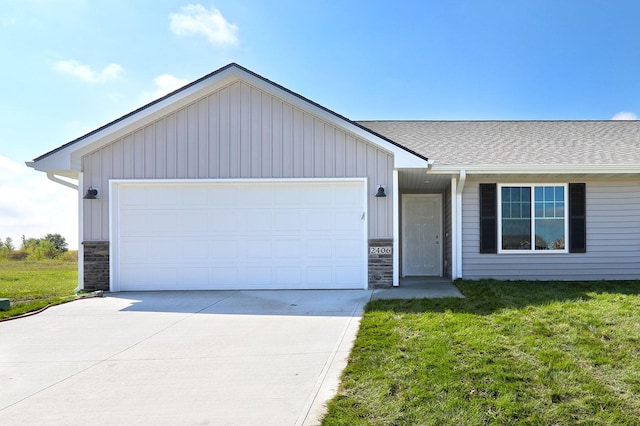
(421, 234)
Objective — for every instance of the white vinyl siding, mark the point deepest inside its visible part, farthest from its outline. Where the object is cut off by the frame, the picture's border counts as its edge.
(239, 131)
(613, 238)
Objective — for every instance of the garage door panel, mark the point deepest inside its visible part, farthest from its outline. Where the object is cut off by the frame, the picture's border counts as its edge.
(319, 222)
(258, 249)
(291, 197)
(256, 196)
(348, 221)
(259, 221)
(287, 221)
(287, 248)
(133, 249)
(221, 196)
(319, 196)
(223, 275)
(157, 196)
(287, 276)
(132, 223)
(199, 277)
(195, 196)
(348, 197)
(195, 222)
(223, 249)
(164, 249)
(160, 224)
(347, 275)
(260, 277)
(147, 277)
(256, 235)
(346, 248)
(319, 248)
(317, 275)
(224, 222)
(194, 250)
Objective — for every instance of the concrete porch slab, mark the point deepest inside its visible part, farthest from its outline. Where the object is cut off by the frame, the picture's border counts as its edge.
(419, 288)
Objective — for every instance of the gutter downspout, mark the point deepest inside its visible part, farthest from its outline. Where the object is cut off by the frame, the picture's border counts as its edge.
(52, 177)
(56, 179)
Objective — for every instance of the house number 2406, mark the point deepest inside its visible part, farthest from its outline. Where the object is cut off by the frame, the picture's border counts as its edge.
(379, 250)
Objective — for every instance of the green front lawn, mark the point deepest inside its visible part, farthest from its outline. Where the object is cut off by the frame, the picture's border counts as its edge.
(31, 285)
(537, 353)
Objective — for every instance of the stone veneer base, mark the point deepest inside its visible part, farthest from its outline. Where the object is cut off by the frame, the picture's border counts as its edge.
(96, 265)
(380, 263)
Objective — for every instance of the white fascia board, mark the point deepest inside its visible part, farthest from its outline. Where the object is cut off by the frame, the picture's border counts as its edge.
(402, 157)
(535, 169)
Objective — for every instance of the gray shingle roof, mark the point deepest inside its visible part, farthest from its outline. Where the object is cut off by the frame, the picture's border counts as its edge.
(517, 142)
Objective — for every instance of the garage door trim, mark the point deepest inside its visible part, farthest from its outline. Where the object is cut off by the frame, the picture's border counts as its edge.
(115, 185)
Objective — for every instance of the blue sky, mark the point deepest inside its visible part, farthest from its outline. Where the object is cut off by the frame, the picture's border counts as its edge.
(70, 66)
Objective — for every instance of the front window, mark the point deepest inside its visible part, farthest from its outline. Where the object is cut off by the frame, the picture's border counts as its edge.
(532, 218)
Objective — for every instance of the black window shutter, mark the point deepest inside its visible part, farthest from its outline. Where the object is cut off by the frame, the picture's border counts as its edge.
(577, 218)
(488, 218)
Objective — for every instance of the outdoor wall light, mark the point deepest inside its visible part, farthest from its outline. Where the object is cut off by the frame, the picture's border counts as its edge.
(91, 194)
(380, 192)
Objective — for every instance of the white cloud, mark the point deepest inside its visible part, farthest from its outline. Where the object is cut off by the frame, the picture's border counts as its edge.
(163, 84)
(625, 115)
(9, 22)
(167, 83)
(33, 206)
(86, 73)
(195, 19)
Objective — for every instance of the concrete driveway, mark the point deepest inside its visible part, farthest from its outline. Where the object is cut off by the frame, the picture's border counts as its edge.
(179, 358)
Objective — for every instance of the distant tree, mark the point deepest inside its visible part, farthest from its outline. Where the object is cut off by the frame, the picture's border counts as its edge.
(8, 244)
(29, 244)
(59, 242)
(44, 250)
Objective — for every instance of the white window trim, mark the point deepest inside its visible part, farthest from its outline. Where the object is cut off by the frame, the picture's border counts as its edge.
(533, 225)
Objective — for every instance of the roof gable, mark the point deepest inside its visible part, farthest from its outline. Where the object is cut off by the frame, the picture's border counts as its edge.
(66, 159)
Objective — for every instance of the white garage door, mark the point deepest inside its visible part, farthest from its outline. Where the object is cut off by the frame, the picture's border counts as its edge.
(240, 235)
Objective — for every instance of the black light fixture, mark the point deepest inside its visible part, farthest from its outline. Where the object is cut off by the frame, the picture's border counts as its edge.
(91, 194)
(380, 192)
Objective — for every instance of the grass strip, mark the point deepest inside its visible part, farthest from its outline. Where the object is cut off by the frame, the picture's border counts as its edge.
(510, 353)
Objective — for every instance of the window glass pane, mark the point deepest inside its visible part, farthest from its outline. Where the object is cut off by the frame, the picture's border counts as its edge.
(516, 234)
(538, 194)
(539, 210)
(516, 221)
(549, 209)
(516, 194)
(559, 209)
(516, 210)
(506, 194)
(559, 193)
(506, 210)
(549, 193)
(550, 234)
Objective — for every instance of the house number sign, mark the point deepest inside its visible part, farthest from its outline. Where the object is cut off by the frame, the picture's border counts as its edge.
(379, 250)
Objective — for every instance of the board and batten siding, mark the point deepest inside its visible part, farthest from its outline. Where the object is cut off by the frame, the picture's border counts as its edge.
(239, 131)
(613, 239)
